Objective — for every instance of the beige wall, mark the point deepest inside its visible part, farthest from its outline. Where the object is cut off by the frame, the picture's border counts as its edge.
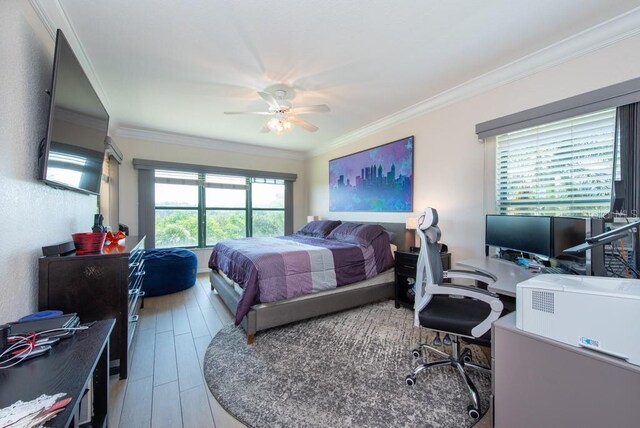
(142, 149)
(32, 215)
(449, 168)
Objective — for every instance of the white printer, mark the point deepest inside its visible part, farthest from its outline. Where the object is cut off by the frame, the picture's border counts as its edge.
(598, 313)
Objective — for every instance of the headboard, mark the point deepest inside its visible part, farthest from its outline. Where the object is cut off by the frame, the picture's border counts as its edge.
(403, 239)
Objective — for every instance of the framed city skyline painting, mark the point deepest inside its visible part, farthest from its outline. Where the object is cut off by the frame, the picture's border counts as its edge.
(376, 179)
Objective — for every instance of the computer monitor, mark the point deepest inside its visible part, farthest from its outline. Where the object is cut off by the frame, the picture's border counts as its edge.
(566, 231)
(541, 235)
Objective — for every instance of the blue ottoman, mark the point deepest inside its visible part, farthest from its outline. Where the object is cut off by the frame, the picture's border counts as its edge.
(168, 270)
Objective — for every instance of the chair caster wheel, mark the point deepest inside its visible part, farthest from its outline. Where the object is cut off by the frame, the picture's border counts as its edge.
(411, 380)
(467, 358)
(446, 340)
(473, 412)
(437, 341)
(416, 353)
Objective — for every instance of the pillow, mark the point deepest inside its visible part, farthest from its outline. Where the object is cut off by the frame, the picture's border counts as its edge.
(356, 233)
(318, 228)
(392, 235)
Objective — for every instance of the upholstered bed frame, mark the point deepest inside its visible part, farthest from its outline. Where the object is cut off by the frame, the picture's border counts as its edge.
(267, 315)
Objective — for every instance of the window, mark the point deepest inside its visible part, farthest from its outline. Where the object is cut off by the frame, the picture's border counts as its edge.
(226, 208)
(177, 209)
(199, 209)
(267, 204)
(561, 169)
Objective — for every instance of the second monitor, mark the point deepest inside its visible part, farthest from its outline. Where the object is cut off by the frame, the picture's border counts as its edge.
(546, 236)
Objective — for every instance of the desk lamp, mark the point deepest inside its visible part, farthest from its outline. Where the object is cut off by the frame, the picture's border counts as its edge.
(411, 223)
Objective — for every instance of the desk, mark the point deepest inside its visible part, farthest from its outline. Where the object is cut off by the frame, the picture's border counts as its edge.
(506, 274)
(67, 368)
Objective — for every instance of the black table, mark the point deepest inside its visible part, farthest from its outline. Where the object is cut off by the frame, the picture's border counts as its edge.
(68, 367)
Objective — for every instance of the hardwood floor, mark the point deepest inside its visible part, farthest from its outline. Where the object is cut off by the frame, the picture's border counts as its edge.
(166, 386)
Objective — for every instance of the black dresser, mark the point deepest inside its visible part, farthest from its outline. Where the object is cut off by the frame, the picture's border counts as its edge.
(98, 287)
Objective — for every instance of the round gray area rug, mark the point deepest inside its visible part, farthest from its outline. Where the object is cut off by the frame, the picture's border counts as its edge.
(342, 370)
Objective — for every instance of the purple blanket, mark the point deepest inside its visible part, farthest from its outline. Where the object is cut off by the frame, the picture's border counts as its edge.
(273, 269)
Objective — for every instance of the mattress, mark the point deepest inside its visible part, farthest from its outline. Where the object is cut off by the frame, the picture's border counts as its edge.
(275, 269)
(387, 276)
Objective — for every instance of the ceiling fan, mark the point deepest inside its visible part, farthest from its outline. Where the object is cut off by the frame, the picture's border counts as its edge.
(284, 114)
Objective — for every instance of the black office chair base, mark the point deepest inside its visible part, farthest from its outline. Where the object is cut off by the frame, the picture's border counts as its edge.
(458, 359)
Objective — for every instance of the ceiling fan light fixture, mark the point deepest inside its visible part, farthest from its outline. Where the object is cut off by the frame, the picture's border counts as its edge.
(278, 125)
(284, 115)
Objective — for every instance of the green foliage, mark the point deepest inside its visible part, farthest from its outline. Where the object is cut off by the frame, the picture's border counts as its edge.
(225, 225)
(179, 227)
(268, 223)
(176, 228)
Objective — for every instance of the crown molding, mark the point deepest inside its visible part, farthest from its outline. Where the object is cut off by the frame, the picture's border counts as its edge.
(207, 143)
(590, 40)
(53, 16)
(44, 18)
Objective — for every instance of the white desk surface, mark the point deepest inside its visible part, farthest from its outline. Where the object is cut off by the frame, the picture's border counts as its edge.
(507, 274)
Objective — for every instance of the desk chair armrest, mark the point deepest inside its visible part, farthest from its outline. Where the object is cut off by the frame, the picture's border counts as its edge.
(476, 293)
(463, 290)
(467, 274)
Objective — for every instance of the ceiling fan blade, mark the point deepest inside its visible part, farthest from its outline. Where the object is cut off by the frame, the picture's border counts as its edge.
(265, 129)
(303, 123)
(270, 99)
(249, 112)
(321, 108)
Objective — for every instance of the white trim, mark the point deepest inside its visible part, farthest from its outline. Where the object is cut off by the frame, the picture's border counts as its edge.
(44, 18)
(51, 12)
(207, 143)
(592, 39)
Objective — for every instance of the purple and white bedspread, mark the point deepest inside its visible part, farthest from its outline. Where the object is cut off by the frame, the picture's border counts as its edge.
(273, 269)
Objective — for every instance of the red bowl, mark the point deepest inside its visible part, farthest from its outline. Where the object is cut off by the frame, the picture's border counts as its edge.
(88, 243)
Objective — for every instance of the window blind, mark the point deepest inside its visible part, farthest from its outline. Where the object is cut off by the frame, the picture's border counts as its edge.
(562, 168)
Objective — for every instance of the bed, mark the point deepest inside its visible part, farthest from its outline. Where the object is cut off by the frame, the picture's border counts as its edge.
(254, 314)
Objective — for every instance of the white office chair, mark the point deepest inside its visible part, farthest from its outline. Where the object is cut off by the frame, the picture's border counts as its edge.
(455, 310)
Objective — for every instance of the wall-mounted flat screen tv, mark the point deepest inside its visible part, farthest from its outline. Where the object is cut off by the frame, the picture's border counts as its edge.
(72, 153)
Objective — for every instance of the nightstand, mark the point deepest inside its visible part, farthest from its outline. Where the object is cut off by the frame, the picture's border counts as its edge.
(405, 266)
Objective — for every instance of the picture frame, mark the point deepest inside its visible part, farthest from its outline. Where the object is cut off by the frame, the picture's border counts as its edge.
(376, 179)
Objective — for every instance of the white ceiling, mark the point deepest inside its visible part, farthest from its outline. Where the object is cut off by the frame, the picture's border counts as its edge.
(175, 66)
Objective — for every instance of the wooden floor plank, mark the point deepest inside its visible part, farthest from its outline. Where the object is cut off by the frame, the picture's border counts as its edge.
(164, 320)
(212, 319)
(166, 410)
(196, 410)
(197, 322)
(142, 354)
(190, 296)
(117, 390)
(147, 317)
(189, 369)
(201, 343)
(202, 297)
(149, 303)
(225, 315)
(180, 320)
(136, 411)
(165, 369)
